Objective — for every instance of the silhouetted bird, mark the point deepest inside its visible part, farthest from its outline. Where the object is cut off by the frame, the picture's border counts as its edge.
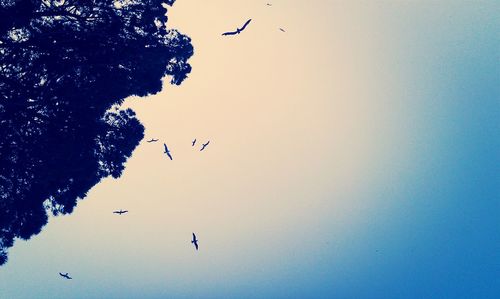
(120, 212)
(238, 30)
(152, 140)
(283, 30)
(193, 143)
(167, 151)
(269, 4)
(203, 146)
(195, 241)
(65, 275)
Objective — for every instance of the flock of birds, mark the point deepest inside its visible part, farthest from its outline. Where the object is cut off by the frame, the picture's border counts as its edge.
(194, 241)
(167, 151)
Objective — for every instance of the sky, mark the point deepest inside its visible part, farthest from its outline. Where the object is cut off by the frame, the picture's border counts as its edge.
(355, 155)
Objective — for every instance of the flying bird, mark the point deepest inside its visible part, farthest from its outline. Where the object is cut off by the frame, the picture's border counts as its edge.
(193, 143)
(238, 30)
(204, 145)
(269, 4)
(195, 241)
(120, 212)
(152, 140)
(167, 151)
(283, 30)
(65, 275)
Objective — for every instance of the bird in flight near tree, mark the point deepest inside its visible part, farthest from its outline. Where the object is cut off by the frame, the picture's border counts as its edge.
(204, 145)
(238, 30)
(152, 140)
(65, 275)
(195, 241)
(120, 212)
(193, 142)
(167, 151)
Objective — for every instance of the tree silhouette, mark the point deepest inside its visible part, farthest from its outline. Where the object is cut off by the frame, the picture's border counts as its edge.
(65, 66)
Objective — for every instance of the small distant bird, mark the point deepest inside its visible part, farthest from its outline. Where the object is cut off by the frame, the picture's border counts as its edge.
(65, 275)
(120, 212)
(269, 4)
(193, 142)
(167, 151)
(195, 241)
(238, 30)
(204, 145)
(283, 30)
(152, 140)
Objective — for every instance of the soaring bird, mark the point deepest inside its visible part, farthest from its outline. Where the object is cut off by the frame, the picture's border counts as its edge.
(204, 145)
(193, 142)
(167, 151)
(238, 30)
(195, 241)
(120, 212)
(65, 275)
(269, 4)
(283, 30)
(152, 140)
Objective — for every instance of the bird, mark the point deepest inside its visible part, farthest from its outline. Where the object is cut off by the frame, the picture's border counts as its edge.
(193, 142)
(269, 4)
(195, 241)
(238, 30)
(283, 30)
(167, 151)
(65, 275)
(120, 212)
(204, 145)
(152, 140)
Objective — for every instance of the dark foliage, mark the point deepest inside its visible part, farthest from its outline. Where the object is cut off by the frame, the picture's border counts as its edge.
(65, 65)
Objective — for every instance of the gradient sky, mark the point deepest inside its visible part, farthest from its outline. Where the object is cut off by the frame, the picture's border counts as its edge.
(356, 155)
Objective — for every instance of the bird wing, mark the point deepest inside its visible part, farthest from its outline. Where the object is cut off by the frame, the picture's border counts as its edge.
(165, 146)
(245, 25)
(169, 155)
(230, 33)
(194, 237)
(196, 245)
